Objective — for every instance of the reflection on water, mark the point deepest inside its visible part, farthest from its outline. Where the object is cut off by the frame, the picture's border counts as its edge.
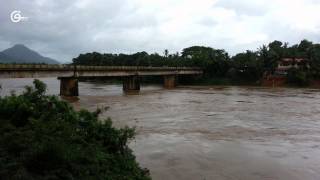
(212, 132)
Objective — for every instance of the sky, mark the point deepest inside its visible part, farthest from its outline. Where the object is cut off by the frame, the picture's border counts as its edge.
(63, 29)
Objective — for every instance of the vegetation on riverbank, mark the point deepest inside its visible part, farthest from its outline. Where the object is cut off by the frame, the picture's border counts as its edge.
(221, 68)
(43, 137)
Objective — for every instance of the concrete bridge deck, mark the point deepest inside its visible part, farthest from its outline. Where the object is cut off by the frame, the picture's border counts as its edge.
(69, 74)
(35, 71)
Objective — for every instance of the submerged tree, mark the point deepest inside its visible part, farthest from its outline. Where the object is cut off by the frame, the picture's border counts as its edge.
(43, 137)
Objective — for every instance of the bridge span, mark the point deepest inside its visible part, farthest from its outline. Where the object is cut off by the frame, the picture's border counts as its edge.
(69, 74)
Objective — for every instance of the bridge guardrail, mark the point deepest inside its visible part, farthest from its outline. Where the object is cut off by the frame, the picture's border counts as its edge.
(83, 68)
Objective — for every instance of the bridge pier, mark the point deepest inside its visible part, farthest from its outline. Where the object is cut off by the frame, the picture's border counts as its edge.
(170, 81)
(68, 86)
(131, 84)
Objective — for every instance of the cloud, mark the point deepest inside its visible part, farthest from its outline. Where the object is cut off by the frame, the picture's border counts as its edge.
(63, 29)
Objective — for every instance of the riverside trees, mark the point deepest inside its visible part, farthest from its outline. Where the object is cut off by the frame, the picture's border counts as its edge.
(43, 137)
(248, 66)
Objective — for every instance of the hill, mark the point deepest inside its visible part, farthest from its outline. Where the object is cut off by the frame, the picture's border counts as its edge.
(21, 54)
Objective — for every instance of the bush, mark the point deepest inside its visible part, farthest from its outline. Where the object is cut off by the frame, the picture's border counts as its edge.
(43, 137)
(297, 77)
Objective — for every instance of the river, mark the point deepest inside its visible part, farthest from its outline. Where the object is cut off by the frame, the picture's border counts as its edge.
(214, 132)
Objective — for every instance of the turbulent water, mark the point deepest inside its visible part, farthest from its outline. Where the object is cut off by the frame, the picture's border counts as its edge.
(211, 132)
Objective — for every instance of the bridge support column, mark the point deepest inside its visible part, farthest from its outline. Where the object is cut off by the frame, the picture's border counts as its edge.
(131, 84)
(170, 81)
(68, 86)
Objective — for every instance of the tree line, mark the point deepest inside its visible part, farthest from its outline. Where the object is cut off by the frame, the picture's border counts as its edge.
(247, 66)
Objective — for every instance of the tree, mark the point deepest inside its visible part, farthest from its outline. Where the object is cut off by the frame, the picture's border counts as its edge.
(304, 48)
(276, 51)
(315, 60)
(297, 77)
(268, 59)
(166, 53)
(43, 137)
(248, 66)
(214, 61)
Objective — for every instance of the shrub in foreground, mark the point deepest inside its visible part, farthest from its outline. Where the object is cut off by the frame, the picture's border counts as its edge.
(43, 137)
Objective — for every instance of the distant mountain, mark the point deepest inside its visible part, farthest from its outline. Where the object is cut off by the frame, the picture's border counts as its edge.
(21, 54)
(5, 59)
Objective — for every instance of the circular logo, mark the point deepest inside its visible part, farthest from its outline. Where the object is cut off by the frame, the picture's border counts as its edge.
(16, 16)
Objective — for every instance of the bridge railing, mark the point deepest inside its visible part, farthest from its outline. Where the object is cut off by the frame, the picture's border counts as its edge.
(35, 67)
(45, 67)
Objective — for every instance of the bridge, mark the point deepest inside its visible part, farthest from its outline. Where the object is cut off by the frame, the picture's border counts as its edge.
(69, 74)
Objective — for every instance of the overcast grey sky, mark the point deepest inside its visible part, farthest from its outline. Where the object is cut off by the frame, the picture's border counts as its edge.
(63, 29)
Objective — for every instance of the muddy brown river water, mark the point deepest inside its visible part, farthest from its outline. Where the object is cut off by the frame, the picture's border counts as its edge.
(204, 133)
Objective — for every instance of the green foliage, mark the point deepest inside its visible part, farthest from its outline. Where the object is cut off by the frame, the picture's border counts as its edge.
(314, 55)
(43, 137)
(247, 66)
(243, 67)
(297, 77)
(215, 62)
(268, 58)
